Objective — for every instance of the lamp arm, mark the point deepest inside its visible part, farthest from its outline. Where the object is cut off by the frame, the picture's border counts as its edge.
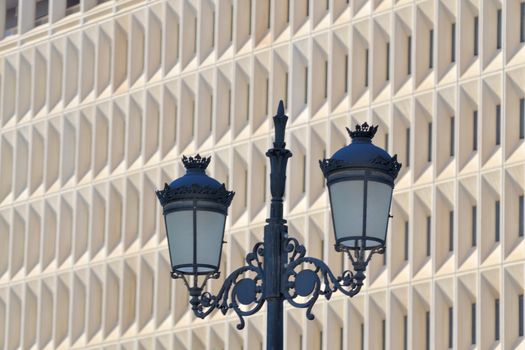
(237, 291)
(302, 287)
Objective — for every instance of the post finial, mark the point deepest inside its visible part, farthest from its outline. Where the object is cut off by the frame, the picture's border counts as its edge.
(279, 121)
(280, 108)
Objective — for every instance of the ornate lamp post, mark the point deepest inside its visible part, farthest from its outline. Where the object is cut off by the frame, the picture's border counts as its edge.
(360, 179)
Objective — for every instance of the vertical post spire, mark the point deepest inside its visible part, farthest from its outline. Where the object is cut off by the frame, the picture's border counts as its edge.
(279, 121)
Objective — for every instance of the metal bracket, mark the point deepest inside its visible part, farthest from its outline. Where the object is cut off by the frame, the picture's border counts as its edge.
(302, 287)
(237, 291)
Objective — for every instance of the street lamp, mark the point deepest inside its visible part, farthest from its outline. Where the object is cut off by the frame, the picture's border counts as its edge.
(360, 178)
(195, 208)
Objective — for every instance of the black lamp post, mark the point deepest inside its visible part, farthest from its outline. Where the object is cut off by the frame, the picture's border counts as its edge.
(360, 179)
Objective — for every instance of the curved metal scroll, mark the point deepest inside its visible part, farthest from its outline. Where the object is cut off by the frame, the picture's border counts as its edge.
(302, 287)
(237, 291)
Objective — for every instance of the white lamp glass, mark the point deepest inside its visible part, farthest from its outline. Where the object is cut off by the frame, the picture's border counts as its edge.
(347, 209)
(210, 228)
(378, 210)
(179, 226)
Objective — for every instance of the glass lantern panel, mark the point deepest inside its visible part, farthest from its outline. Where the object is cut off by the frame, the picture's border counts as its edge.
(347, 208)
(179, 227)
(210, 229)
(378, 209)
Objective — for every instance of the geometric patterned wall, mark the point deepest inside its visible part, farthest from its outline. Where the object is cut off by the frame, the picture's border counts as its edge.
(99, 100)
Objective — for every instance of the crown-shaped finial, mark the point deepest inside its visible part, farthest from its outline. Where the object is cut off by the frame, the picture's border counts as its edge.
(196, 162)
(363, 130)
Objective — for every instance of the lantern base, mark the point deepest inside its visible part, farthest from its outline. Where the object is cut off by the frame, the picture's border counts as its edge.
(359, 242)
(197, 269)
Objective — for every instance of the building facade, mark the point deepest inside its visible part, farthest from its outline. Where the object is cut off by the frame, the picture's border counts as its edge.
(100, 99)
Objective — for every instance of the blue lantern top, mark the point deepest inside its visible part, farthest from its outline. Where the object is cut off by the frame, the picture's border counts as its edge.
(195, 184)
(361, 154)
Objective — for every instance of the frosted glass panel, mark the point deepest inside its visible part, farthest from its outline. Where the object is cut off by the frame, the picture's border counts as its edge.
(347, 207)
(209, 238)
(180, 237)
(378, 207)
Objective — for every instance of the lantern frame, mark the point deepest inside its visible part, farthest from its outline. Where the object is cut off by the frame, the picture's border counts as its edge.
(195, 192)
(365, 163)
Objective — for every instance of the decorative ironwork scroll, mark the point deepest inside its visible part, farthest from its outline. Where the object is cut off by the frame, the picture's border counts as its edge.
(302, 287)
(244, 295)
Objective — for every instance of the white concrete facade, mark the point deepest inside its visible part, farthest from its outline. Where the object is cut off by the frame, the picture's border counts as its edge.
(100, 99)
